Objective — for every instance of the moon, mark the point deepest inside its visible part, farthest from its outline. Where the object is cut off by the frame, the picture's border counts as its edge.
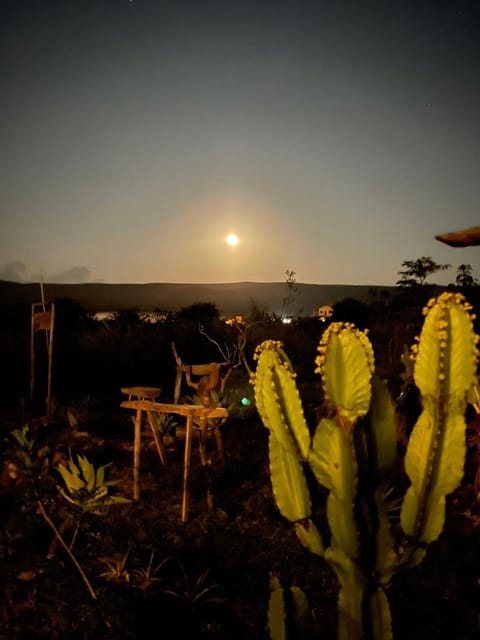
(232, 239)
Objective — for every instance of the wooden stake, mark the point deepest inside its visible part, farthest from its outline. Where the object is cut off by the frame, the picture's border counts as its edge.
(186, 469)
(32, 357)
(49, 333)
(136, 455)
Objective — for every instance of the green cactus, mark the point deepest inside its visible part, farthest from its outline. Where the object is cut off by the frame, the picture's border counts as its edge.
(353, 454)
(288, 607)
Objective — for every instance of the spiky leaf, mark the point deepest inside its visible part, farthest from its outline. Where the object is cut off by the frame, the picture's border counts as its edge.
(444, 372)
(382, 421)
(100, 479)
(435, 465)
(333, 463)
(302, 617)
(310, 537)
(289, 484)
(73, 481)
(278, 400)
(101, 475)
(445, 364)
(350, 595)
(276, 611)
(346, 365)
(88, 472)
(381, 616)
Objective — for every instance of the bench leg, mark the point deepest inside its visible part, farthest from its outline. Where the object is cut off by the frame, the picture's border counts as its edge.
(157, 439)
(202, 441)
(219, 441)
(136, 455)
(186, 468)
(206, 462)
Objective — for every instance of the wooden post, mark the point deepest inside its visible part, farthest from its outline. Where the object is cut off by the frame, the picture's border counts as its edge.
(136, 455)
(32, 359)
(50, 360)
(42, 320)
(186, 468)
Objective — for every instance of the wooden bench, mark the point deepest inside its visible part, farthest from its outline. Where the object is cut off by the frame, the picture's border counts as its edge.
(198, 418)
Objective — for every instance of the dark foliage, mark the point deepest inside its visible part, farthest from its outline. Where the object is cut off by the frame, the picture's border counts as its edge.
(199, 313)
(210, 576)
(351, 310)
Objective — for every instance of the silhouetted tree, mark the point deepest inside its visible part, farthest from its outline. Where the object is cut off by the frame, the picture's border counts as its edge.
(415, 272)
(292, 288)
(70, 316)
(203, 313)
(352, 310)
(128, 318)
(465, 277)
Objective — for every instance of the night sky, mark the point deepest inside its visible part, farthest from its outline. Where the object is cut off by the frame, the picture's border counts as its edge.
(336, 139)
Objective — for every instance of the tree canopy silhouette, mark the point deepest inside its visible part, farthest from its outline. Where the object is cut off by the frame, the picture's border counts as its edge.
(416, 272)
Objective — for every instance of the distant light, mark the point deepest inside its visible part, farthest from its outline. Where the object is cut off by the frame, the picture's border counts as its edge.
(245, 402)
(232, 239)
(287, 320)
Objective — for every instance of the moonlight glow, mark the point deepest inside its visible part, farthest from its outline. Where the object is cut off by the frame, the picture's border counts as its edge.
(232, 239)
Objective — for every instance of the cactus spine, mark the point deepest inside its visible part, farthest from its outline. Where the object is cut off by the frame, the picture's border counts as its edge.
(353, 454)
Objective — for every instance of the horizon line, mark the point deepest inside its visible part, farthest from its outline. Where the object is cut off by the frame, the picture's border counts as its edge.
(236, 282)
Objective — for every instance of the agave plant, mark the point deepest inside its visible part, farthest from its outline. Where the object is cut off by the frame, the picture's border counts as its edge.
(197, 593)
(146, 577)
(26, 446)
(86, 487)
(114, 568)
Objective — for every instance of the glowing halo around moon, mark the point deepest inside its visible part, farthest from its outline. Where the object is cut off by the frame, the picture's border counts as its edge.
(232, 239)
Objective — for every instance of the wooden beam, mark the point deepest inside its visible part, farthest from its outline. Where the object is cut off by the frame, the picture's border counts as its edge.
(465, 238)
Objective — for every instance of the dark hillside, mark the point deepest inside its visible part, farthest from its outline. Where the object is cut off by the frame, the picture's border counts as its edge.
(231, 298)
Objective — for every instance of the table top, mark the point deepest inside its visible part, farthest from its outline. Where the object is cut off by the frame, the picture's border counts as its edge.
(142, 393)
(195, 410)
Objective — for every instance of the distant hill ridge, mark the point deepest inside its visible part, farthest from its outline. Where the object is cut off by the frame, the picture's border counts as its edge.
(230, 298)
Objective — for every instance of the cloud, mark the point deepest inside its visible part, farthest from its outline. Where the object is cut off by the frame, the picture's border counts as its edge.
(14, 272)
(75, 275)
(17, 272)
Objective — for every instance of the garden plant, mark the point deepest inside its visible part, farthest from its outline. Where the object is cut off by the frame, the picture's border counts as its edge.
(382, 511)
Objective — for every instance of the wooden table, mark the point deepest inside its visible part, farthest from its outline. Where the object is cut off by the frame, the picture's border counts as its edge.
(190, 412)
(148, 394)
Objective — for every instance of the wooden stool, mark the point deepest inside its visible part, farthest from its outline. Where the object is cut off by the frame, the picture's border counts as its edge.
(141, 393)
(147, 394)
